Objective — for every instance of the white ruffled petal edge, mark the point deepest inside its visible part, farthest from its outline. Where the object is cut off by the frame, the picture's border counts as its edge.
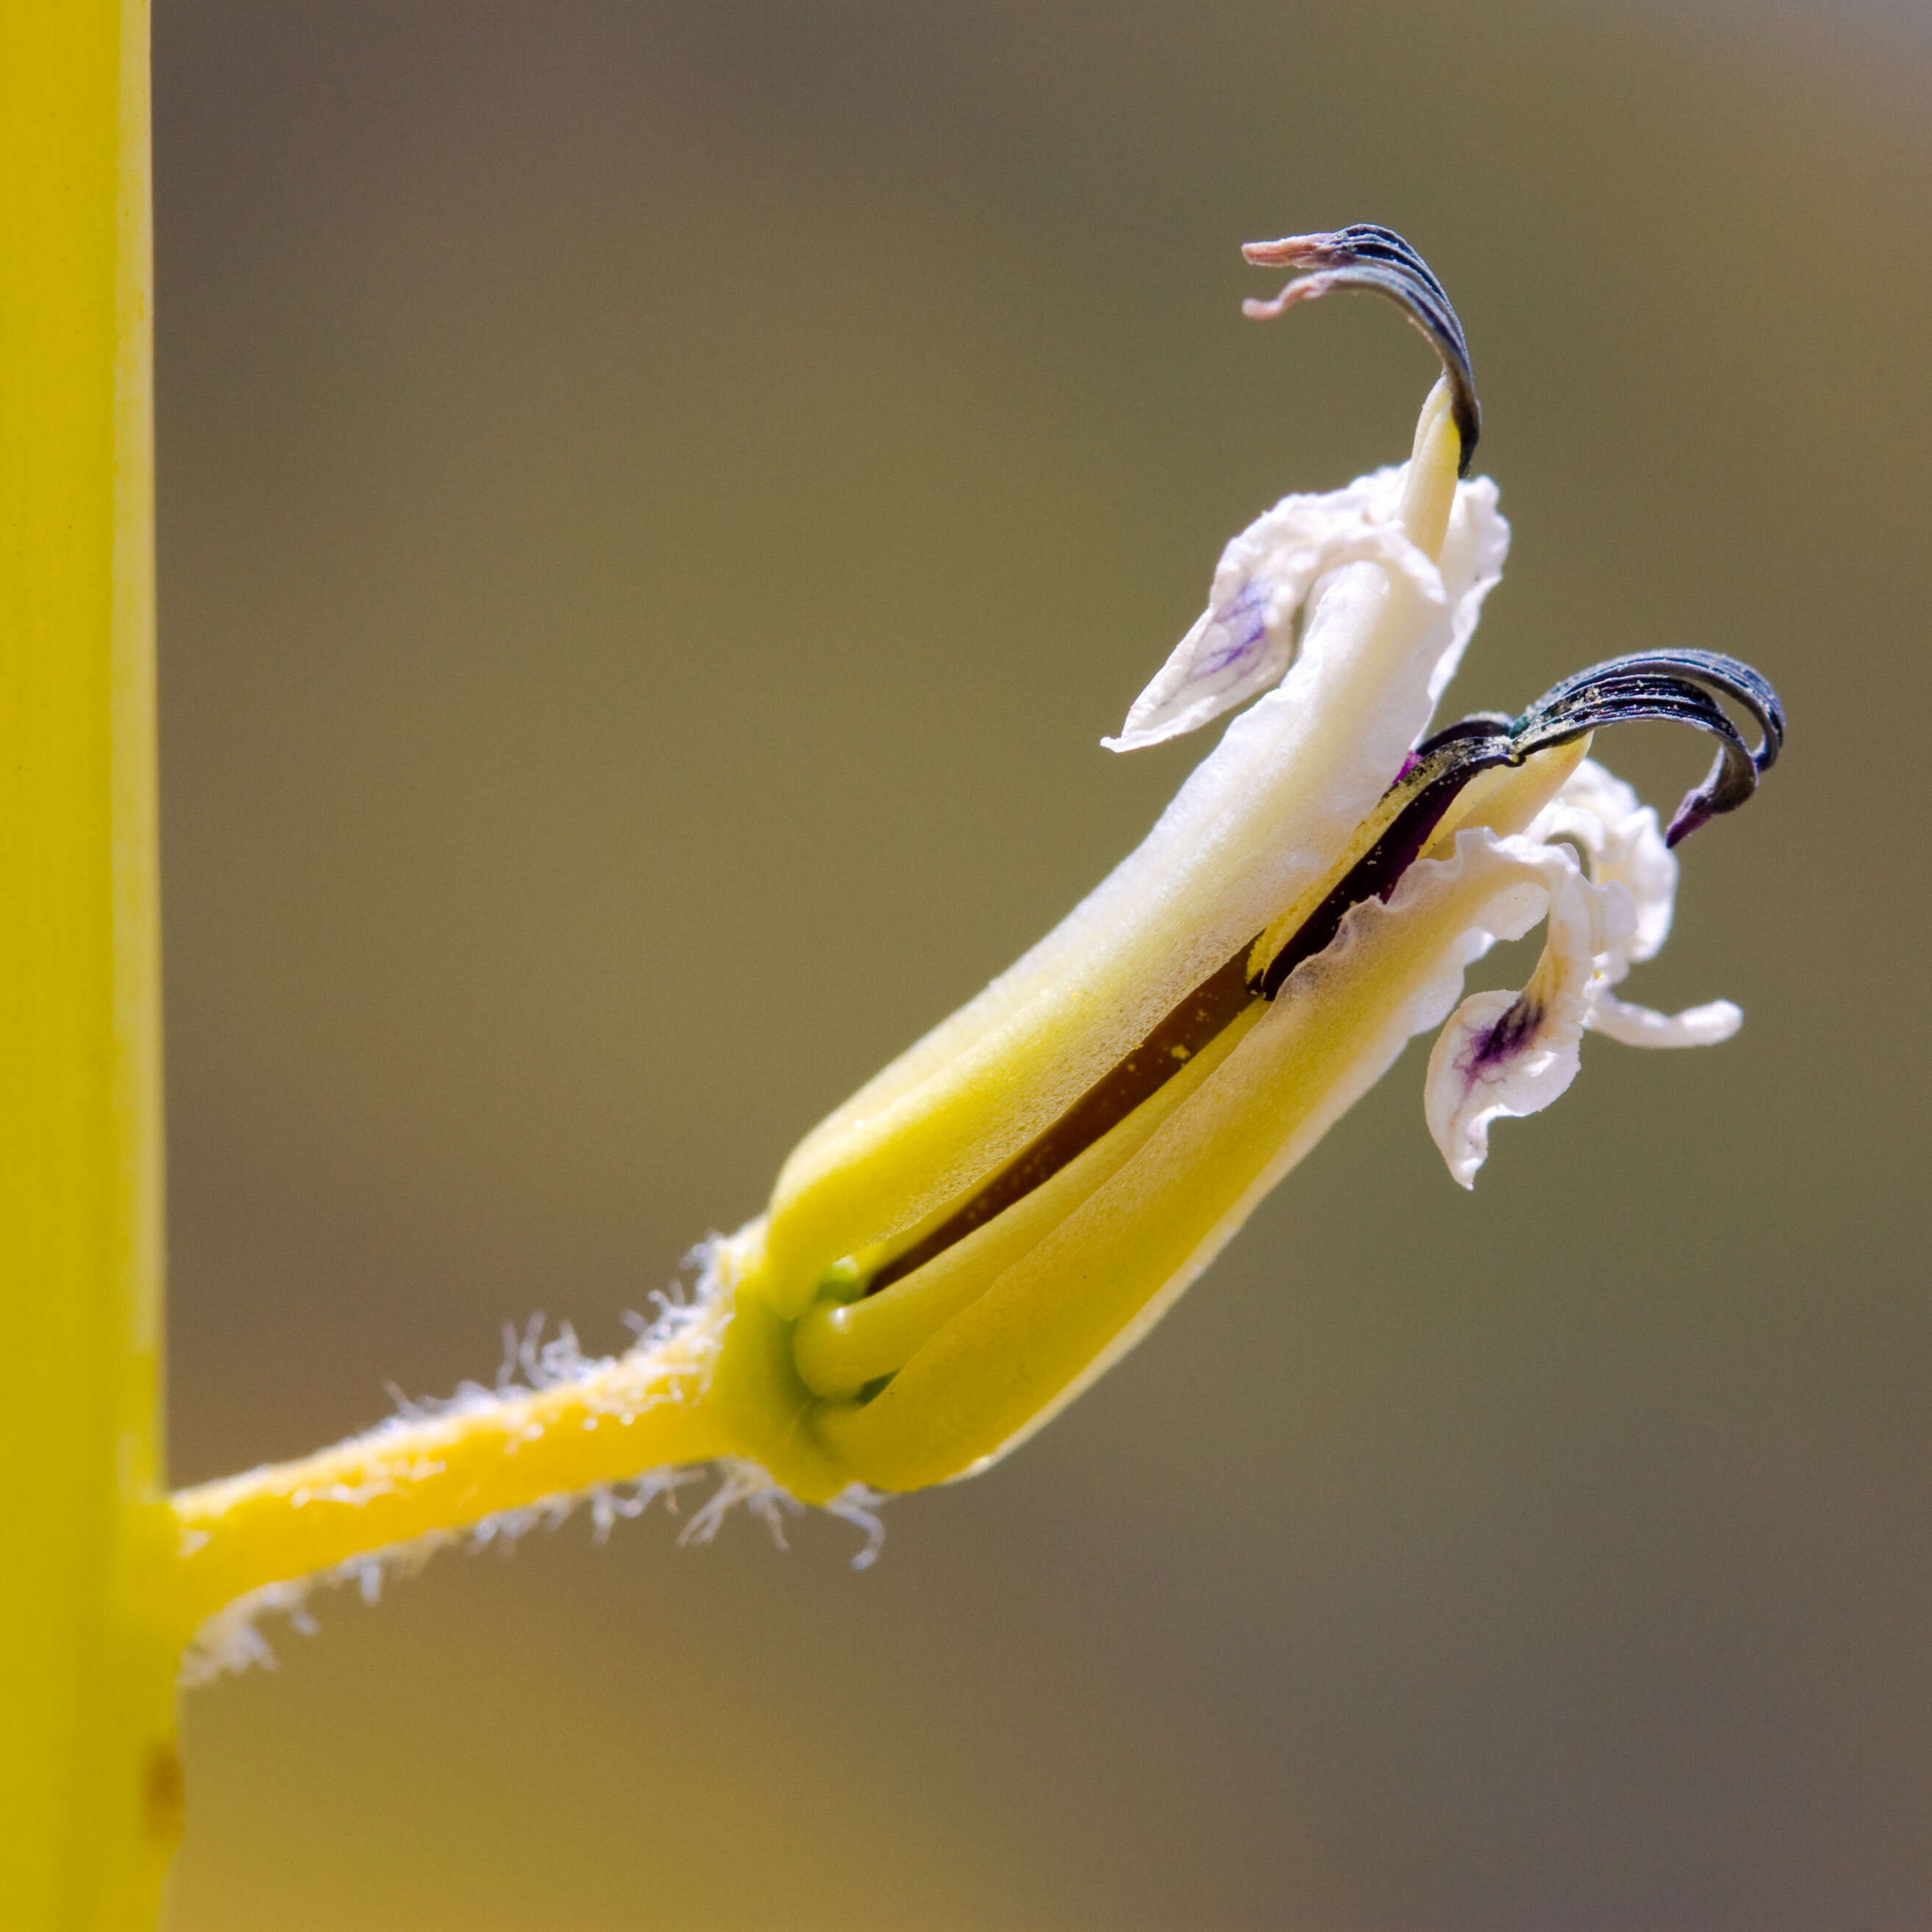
(1620, 838)
(1503, 1055)
(1511, 1053)
(1244, 642)
(1624, 844)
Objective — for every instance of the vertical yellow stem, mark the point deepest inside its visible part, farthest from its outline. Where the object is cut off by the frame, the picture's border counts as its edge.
(89, 1787)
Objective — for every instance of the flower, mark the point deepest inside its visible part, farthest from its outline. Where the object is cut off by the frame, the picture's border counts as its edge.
(989, 1224)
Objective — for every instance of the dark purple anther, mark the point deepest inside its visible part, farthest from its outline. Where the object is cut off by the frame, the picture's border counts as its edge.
(1369, 256)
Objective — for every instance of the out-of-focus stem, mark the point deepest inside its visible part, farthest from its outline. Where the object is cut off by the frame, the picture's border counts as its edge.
(90, 1787)
(414, 1477)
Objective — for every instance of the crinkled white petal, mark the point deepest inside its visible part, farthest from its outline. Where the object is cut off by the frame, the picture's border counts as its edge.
(1625, 845)
(1507, 1054)
(1473, 553)
(1242, 644)
(1623, 841)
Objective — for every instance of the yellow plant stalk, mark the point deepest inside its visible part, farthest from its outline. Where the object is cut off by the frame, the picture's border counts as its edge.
(985, 1227)
(90, 1788)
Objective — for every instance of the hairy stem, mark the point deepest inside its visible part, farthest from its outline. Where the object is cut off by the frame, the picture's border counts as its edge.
(415, 1476)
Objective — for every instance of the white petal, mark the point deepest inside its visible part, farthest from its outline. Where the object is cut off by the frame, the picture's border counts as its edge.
(1284, 561)
(1625, 848)
(1639, 1026)
(1498, 1056)
(1235, 650)
(1622, 841)
(1506, 1054)
(1472, 566)
(1242, 643)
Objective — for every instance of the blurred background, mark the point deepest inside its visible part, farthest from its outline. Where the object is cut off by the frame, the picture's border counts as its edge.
(658, 503)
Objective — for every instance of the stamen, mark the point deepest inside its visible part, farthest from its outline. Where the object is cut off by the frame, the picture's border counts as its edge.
(1673, 686)
(1667, 684)
(1366, 257)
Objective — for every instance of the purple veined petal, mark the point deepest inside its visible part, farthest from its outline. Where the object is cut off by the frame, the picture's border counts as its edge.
(1235, 651)
(1243, 644)
(1504, 1055)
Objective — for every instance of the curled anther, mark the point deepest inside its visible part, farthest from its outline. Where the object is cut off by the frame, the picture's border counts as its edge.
(1676, 686)
(1366, 257)
(1668, 686)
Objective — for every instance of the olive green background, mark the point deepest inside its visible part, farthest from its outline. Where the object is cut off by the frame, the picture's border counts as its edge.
(658, 503)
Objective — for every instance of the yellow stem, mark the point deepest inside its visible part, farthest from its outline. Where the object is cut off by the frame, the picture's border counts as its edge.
(90, 1788)
(416, 1477)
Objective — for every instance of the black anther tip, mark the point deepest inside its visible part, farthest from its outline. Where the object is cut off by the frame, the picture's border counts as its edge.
(1365, 255)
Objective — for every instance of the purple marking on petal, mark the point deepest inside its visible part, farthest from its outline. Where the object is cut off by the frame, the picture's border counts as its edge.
(1233, 655)
(1244, 620)
(1515, 1030)
(1408, 764)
